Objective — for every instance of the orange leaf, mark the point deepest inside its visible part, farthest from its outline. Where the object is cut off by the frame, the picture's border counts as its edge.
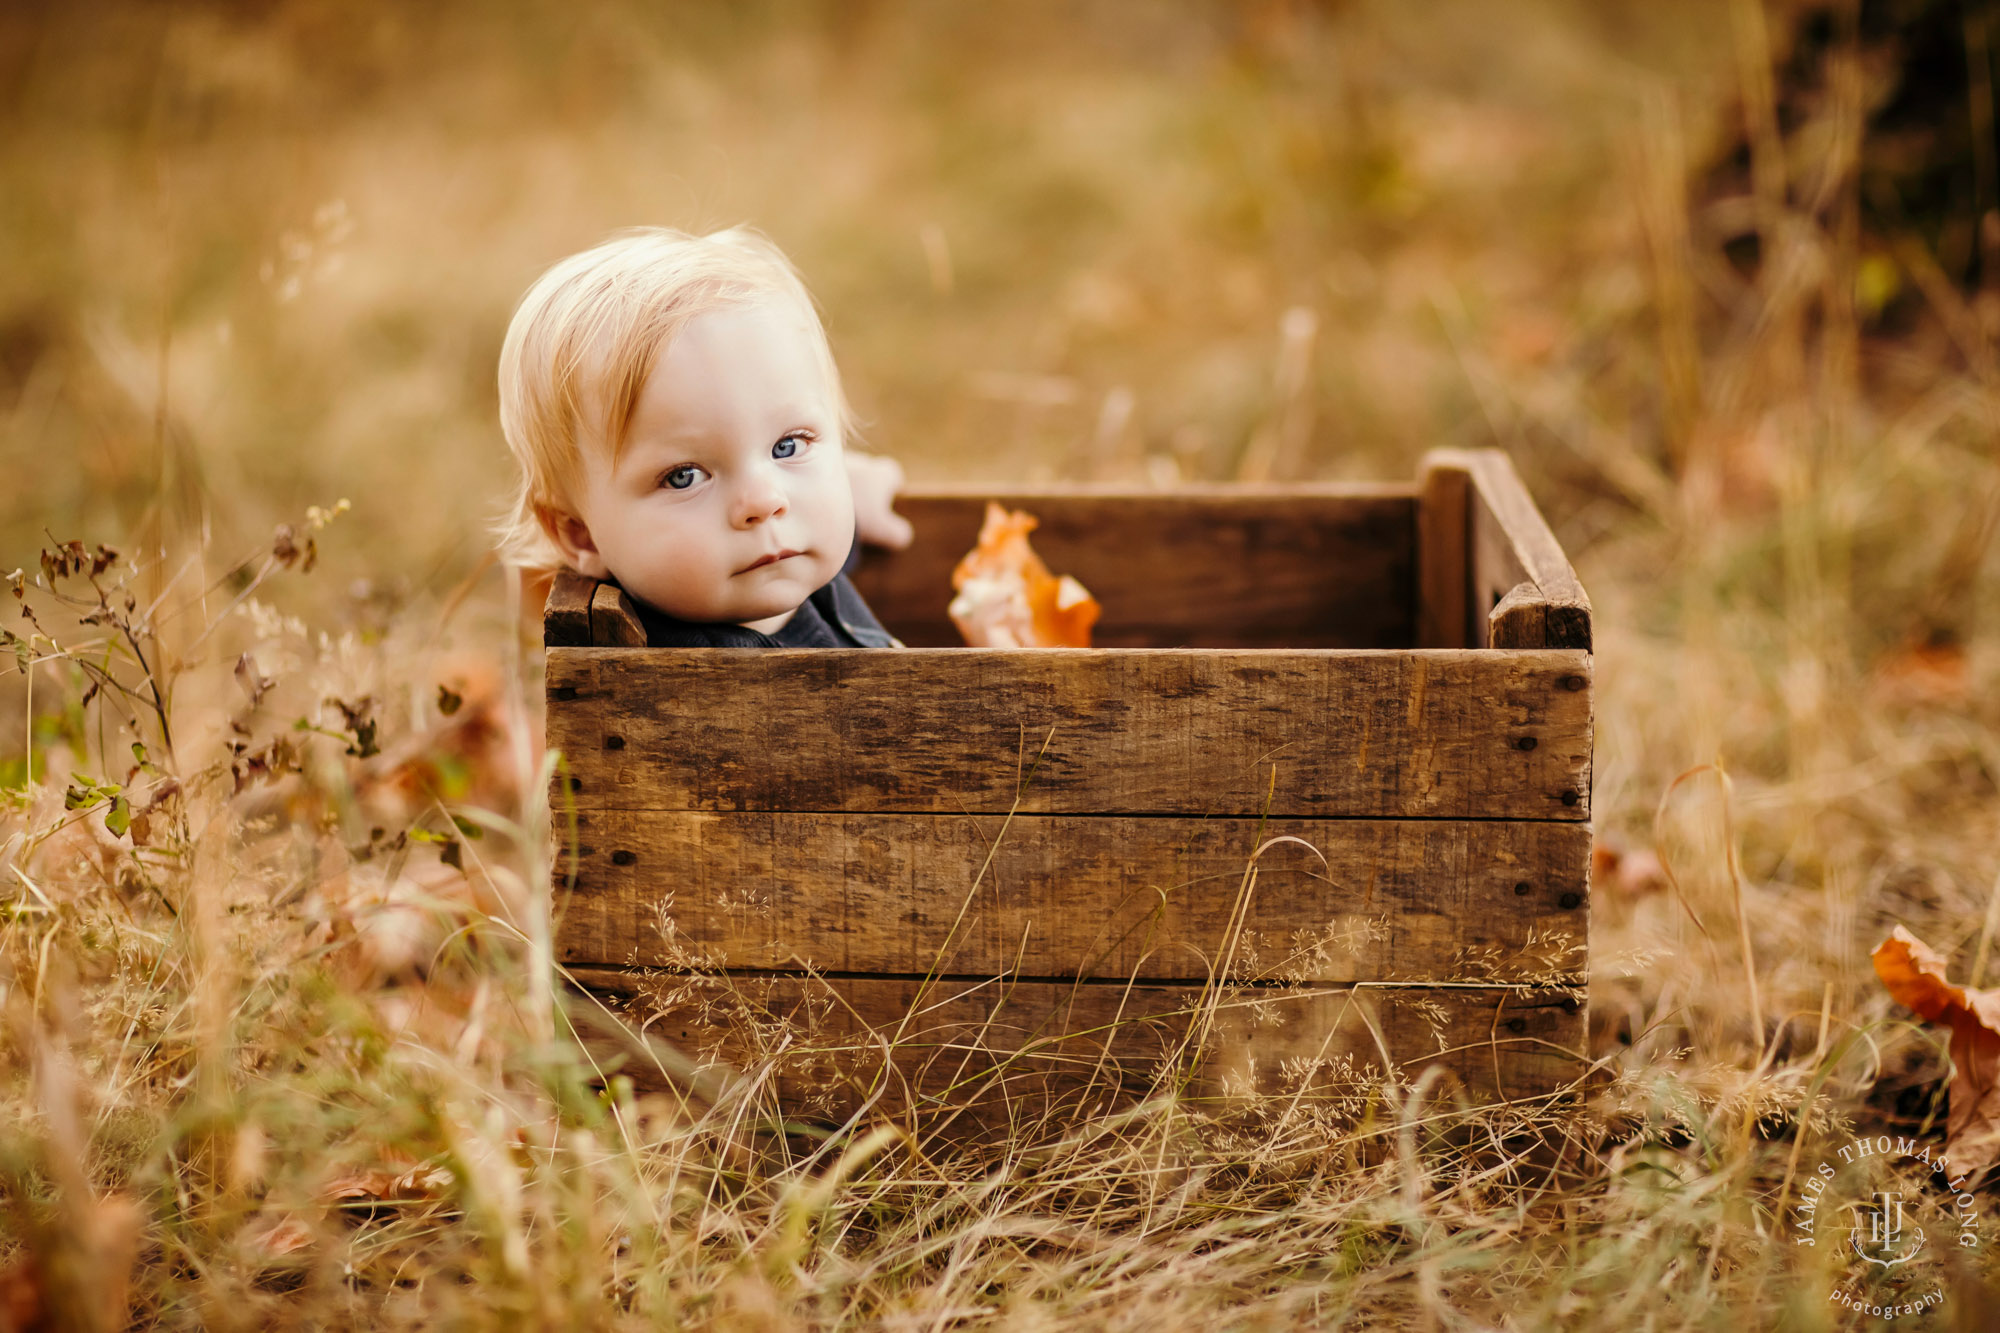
(379, 1183)
(1007, 598)
(1914, 974)
(280, 1237)
(1931, 670)
(375, 1184)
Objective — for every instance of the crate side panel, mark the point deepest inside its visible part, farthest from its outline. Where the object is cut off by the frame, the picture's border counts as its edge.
(1510, 544)
(1033, 1047)
(1464, 734)
(1082, 896)
(1255, 570)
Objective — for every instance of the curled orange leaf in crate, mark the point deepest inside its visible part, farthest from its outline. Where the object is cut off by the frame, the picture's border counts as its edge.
(1007, 598)
(1915, 976)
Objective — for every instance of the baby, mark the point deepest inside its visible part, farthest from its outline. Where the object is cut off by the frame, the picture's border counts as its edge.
(678, 421)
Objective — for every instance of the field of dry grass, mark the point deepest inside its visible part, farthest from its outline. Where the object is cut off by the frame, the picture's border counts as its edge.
(283, 1043)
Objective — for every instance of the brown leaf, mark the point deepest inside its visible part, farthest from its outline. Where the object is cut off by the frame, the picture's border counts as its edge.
(1927, 670)
(379, 1184)
(1914, 974)
(371, 1184)
(254, 682)
(287, 1235)
(1633, 872)
(1007, 598)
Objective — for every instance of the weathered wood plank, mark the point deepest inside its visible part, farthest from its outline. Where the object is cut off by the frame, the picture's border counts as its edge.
(1030, 1048)
(1511, 544)
(1496, 571)
(1519, 619)
(1460, 734)
(1076, 896)
(566, 614)
(1442, 560)
(1230, 567)
(613, 621)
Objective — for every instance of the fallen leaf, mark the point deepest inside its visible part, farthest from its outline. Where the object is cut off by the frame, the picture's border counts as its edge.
(287, 1235)
(1927, 670)
(1633, 873)
(1914, 974)
(379, 1184)
(1007, 598)
(1603, 861)
(371, 1184)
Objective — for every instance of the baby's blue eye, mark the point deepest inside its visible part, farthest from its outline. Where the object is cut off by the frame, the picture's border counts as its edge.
(787, 447)
(682, 477)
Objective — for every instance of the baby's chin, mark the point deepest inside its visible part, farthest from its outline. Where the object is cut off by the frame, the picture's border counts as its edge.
(772, 594)
(737, 611)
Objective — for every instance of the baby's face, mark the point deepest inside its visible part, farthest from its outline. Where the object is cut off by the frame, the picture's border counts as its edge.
(729, 503)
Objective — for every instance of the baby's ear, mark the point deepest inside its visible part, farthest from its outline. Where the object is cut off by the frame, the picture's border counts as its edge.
(572, 537)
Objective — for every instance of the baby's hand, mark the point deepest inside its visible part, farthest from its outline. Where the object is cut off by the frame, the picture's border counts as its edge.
(875, 480)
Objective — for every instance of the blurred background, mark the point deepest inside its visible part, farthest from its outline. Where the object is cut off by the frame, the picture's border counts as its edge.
(262, 255)
(1720, 275)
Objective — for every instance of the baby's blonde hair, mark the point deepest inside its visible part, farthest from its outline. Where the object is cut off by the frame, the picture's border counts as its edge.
(589, 332)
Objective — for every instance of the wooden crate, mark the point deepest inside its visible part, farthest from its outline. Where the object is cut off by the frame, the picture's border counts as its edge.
(1021, 880)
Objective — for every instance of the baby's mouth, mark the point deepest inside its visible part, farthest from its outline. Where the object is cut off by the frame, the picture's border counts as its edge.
(771, 559)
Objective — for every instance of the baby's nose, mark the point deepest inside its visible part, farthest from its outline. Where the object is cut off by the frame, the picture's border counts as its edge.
(760, 498)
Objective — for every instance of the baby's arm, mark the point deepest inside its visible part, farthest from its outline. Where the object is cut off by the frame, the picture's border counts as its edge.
(876, 479)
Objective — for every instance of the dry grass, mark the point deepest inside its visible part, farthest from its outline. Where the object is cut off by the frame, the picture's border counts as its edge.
(291, 1050)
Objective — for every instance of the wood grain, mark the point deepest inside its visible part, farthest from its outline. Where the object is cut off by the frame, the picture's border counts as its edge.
(1462, 734)
(1028, 1048)
(1444, 576)
(614, 623)
(1519, 619)
(1510, 543)
(1080, 896)
(566, 614)
(1229, 567)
